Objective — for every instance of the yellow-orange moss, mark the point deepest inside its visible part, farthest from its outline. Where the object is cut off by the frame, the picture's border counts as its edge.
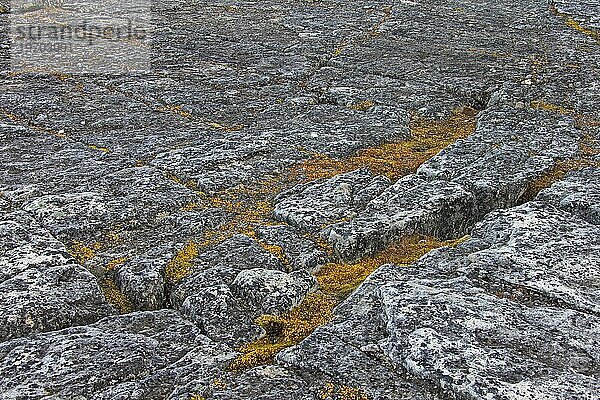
(594, 34)
(285, 330)
(8, 115)
(225, 128)
(336, 281)
(342, 392)
(180, 265)
(394, 160)
(190, 207)
(218, 383)
(544, 105)
(249, 206)
(375, 30)
(99, 148)
(112, 264)
(182, 182)
(275, 250)
(364, 105)
(341, 278)
(587, 150)
(83, 253)
(581, 120)
(571, 23)
(178, 110)
(558, 172)
(112, 237)
(114, 296)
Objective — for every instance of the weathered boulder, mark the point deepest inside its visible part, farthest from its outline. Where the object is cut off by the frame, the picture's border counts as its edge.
(543, 251)
(41, 300)
(222, 163)
(221, 264)
(41, 286)
(142, 281)
(36, 164)
(272, 292)
(220, 316)
(27, 245)
(300, 252)
(315, 205)
(136, 356)
(143, 255)
(72, 215)
(85, 213)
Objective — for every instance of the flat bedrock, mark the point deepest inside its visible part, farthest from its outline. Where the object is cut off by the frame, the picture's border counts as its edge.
(147, 220)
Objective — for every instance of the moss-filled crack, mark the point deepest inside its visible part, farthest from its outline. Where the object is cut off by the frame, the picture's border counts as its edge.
(570, 21)
(586, 157)
(336, 282)
(84, 252)
(341, 392)
(395, 160)
(251, 207)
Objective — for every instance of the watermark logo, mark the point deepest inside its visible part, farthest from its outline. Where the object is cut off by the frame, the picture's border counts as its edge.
(85, 36)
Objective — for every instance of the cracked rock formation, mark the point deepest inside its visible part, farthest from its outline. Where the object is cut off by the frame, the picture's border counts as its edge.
(43, 288)
(304, 200)
(454, 317)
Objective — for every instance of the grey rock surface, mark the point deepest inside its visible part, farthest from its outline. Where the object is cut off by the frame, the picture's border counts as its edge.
(137, 356)
(106, 178)
(220, 315)
(314, 206)
(412, 205)
(265, 383)
(272, 292)
(42, 288)
(300, 252)
(519, 294)
(578, 194)
(142, 280)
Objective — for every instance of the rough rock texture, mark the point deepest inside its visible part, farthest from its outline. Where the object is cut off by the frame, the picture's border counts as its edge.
(578, 193)
(222, 264)
(301, 253)
(184, 188)
(42, 288)
(220, 315)
(265, 383)
(519, 294)
(314, 206)
(492, 168)
(272, 292)
(412, 205)
(233, 284)
(137, 356)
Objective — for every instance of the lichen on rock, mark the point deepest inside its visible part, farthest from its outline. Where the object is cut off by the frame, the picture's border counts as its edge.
(304, 200)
